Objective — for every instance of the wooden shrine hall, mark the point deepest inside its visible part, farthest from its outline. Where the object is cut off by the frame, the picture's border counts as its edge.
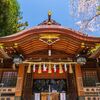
(49, 62)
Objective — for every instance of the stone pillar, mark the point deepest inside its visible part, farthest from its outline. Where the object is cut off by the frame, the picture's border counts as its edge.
(79, 82)
(20, 80)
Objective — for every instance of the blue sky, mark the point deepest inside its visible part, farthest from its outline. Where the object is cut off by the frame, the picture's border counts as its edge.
(35, 11)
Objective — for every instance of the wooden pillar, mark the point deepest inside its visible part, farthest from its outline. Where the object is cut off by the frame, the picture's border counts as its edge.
(98, 74)
(71, 84)
(20, 80)
(79, 82)
(27, 92)
(98, 70)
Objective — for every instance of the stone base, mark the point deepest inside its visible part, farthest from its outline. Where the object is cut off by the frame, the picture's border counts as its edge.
(81, 98)
(18, 98)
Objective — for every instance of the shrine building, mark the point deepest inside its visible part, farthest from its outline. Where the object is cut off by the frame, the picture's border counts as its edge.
(49, 62)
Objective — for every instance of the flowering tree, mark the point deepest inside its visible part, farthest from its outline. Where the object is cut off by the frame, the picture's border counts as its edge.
(88, 13)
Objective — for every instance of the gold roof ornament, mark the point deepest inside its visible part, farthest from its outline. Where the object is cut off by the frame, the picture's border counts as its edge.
(49, 17)
(49, 21)
(49, 13)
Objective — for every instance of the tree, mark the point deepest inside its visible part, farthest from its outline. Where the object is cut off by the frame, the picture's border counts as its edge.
(10, 17)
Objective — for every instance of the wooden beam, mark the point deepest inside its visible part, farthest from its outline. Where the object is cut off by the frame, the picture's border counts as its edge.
(4, 53)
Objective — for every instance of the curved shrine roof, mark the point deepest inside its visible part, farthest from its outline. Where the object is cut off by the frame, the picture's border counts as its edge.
(29, 43)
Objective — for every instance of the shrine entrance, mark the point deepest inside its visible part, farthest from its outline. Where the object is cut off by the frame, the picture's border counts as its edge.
(50, 81)
(50, 89)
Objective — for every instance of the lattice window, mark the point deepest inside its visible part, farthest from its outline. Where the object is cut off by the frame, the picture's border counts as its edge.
(89, 78)
(9, 79)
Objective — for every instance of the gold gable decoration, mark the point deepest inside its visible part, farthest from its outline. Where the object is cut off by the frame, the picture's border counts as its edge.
(49, 38)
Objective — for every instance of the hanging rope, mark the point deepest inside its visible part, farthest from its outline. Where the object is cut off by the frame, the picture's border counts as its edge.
(40, 69)
(50, 69)
(29, 68)
(60, 69)
(70, 69)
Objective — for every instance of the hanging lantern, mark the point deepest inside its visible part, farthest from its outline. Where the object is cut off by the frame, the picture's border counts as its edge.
(55, 68)
(29, 68)
(44, 67)
(81, 60)
(34, 69)
(65, 67)
(49, 68)
(60, 69)
(17, 59)
(70, 69)
(39, 69)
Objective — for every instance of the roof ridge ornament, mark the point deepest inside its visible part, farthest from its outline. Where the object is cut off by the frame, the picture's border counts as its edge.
(49, 17)
(49, 21)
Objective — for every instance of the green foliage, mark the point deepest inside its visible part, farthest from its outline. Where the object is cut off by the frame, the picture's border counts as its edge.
(10, 17)
(98, 8)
